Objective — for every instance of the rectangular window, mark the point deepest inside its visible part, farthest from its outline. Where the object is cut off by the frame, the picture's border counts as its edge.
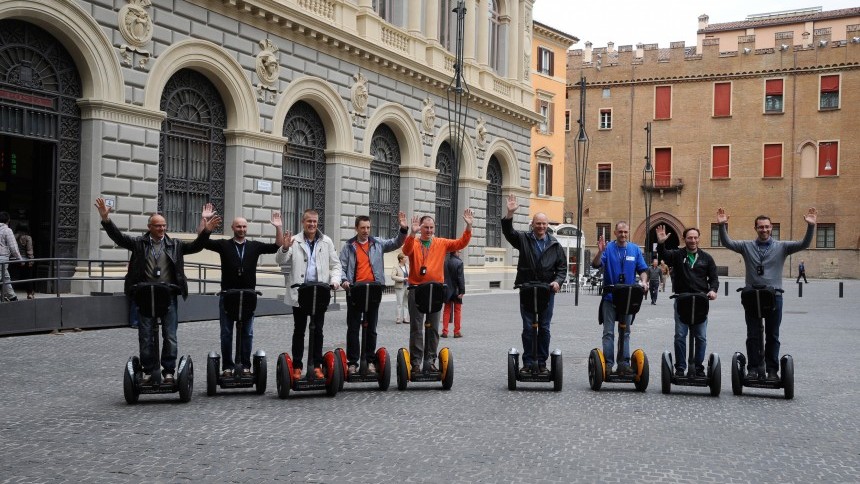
(663, 167)
(604, 176)
(391, 11)
(722, 99)
(773, 95)
(545, 61)
(606, 93)
(774, 231)
(720, 158)
(828, 158)
(604, 230)
(663, 102)
(715, 235)
(567, 120)
(544, 179)
(605, 118)
(829, 92)
(545, 109)
(772, 161)
(825, 236)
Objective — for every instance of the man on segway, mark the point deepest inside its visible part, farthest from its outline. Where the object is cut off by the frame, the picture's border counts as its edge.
(239, 258)
(426, 255)
(542, 259)
(622, 261)
(764, 259)
(308, 257)
(695, 272)
(155, 257)
(362, 261)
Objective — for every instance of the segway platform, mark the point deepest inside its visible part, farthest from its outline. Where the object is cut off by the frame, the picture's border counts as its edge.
(627, 299)
(428, 299)
(692, 310)
(239, 304)
(534, 297)
(366, 295)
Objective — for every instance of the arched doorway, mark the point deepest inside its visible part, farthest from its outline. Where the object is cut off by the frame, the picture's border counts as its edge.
(40, 138)
(384, 182)
(304, 166)
(494, 203)
(445, 220)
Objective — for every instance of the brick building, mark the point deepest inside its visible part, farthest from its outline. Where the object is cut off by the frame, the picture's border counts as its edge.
(759, 118)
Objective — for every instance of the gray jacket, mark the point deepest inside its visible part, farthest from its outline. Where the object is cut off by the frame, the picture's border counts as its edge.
(8, 245)
(378, 247)
(770, 258)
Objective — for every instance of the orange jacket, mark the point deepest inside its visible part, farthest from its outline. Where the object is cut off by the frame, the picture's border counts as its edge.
(433, 258)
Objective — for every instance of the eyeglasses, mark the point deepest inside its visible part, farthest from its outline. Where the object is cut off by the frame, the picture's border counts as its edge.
(763, 227)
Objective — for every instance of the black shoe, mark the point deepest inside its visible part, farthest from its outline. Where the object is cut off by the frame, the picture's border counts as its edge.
(772, 375)
(168, 379)
(11, 299)
(752, 374)
(526, 371)
(700, 373)
(543, 370)
(679, 371)
(625, 370)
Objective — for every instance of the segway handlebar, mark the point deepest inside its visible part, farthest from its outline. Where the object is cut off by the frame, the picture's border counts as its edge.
(236, 291)
(682, 295)
(173, 288)
(753, 287)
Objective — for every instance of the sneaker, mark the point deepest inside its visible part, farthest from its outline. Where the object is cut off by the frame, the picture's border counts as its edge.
(625, 370)
(458, 334)
(543, 370)
(416, 368)
(227, 373)
(167, 378)
(444, 335)
(752, 374)
(680, 371)
(352, 369)
(433, 368)
(297, 373)
(147, 379)
(246, 372)
(318, 374)
(772, 375)
(607, 371)
(371, 368)
(700, 372)
(11, 299)
(397, 321)
(526, 371)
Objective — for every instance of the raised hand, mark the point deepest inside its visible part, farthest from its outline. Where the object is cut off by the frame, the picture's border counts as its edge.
(102, 207)
(661, 234)
(208, 210)
(469, 216)
(288, 240)
(721, 216)
(512, 204)
(811, 216)
(601, 243)
(401, 217)
(416, 224)
(212, 222)
(276, 219)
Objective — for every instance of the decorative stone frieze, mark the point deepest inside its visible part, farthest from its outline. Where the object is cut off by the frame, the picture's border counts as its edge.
(268, 70)
(428, 121)
(135, 26)
(359, 100)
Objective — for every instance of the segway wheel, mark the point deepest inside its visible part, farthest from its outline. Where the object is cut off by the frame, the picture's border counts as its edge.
(260, 374)
(186, 380)
(383, 367)
(737, 374)
(715, 377)
(595, 369)
(639, 360)
(402, 370)
(340, 356)
(446, 361)
(786, 364)
(666, 372)
(211, 376)
(512, 372)
(129, 383)
(334, 371)
(557, 367)
(283, 378)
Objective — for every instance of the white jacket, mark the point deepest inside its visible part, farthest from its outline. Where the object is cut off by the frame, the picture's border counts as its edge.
(294, 263)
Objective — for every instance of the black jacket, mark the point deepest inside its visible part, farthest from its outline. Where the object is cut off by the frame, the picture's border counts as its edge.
(455, 281)
(140, 246)
(551, 266)
(702, 277)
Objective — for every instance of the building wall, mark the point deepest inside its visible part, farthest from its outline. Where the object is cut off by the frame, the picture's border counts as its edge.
(626, 84)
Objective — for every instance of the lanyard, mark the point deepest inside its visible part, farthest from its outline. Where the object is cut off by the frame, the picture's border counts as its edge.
(541, 246)
(241, 254)
(622, 256)
(692, 258)
(361, 247)
(425, 250)
(157, 256)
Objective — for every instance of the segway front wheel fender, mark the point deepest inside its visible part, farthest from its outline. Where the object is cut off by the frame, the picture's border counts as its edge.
(639, 360)
(260, 374)
(556, 363)
(715, 377)
(512, 372)
(283, 376)
(446, 361)
(211, 376)
(737, 374)
(185, 379)
(786, 364)
(402, 369)
(595, 369)
(130, 390)
(383, 368)
(666, 372)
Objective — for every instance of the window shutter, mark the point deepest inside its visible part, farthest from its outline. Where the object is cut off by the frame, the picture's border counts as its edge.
(663, 167)
(550, 122)
(772, 161)
(720, 162)
(549, 179)
(551, 63)
(829, 83)
(828, 150)
(663, 102)
(722, 99)
(773, 87)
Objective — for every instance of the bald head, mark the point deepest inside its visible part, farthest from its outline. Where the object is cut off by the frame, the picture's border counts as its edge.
(240, 228)
(157, 226)
(540, 223)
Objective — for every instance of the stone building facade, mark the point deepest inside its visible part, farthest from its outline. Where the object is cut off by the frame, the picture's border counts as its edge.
(337, 105)
(760, 128)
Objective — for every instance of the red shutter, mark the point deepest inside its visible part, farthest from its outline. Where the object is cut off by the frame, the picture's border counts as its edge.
(720, 162)
(828, 151)
(829, 83)
(551, 121)
(773, 87)
(663, 102)
(723, 99)
(772, 161)
(549, 180)
(662, 167)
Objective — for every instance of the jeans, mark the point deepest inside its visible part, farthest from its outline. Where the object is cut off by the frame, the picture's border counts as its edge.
(699, 333)
(772, 322)
(417, 351)
(543, 334)
(147, 331)
(609, 337)
(301, 322)
(402, 308)
(653, 286)
(447, 309)
(5, 278)
(353, 326)
(243, 354)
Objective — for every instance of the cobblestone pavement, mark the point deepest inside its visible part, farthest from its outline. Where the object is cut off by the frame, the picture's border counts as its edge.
(63, 417)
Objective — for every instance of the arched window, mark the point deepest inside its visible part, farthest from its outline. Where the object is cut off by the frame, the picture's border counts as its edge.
(304, 166)
(495, 41)
(192, 153)
(444, 218)
(384, 182)
(494, 203)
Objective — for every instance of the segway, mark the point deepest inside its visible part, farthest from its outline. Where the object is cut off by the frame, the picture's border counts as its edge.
(627, 299)
(313, 299)
(239, 304)
(692, 310)
(365, 295)
(428, 298)
(153, 300)
(534, 297)
(760, 300)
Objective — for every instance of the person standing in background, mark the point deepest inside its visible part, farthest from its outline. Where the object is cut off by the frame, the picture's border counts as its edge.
(25, 269)
(455, 288)
(8, 250)
(400, 274)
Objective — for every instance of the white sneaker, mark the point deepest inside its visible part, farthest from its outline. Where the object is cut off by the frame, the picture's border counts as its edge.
(371, 368)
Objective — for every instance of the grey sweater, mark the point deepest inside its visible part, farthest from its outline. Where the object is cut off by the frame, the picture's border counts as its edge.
(771, 259)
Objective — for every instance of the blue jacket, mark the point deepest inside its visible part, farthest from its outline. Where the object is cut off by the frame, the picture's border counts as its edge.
(378, 247)
(617, 260)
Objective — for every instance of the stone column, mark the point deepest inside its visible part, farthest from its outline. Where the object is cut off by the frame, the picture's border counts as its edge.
(514, 34)
(431, 21)
(469, 32)
(483, 47)
(413, 22)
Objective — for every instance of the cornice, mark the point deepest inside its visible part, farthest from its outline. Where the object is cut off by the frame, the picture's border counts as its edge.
(349, 158)
(256, 140)
(121, 113)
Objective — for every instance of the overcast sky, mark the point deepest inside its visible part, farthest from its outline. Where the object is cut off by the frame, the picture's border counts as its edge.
(628, 22)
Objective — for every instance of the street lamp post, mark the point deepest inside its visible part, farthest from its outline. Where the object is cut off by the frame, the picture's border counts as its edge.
(458, 111)
(648, 189)
(580, 157)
